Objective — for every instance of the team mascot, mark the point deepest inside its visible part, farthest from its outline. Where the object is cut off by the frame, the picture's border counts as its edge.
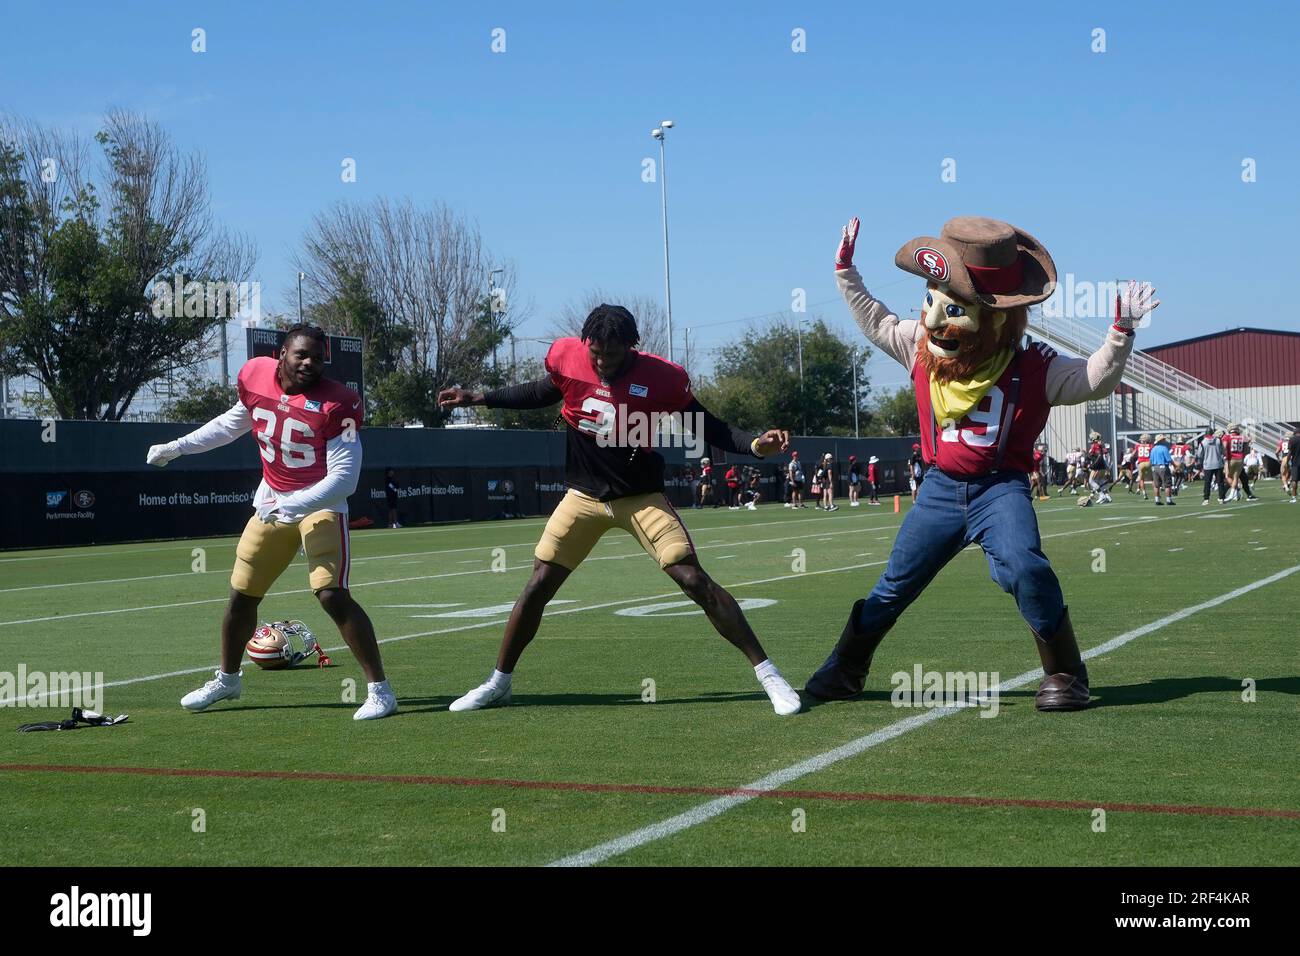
(982, 400)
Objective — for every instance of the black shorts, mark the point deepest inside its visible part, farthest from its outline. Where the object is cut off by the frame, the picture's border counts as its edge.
(796, 483)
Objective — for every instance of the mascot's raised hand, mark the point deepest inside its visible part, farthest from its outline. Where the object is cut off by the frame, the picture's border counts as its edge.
(849, 238)
(1133, 304)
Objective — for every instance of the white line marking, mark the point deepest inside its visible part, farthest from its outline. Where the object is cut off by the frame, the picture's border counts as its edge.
(778, 779)
(548, 612)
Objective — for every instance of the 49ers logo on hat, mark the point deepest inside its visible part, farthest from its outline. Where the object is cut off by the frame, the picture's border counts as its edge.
(932, 261)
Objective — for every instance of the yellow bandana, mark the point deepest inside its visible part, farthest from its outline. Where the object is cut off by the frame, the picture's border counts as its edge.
(952, 400)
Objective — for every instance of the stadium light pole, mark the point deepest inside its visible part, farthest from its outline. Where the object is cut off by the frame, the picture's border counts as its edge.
(660, 133)
(798, 328)
(855, 392)
(496, 316)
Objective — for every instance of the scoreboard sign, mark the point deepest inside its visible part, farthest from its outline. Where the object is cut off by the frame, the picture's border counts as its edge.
(342, 355)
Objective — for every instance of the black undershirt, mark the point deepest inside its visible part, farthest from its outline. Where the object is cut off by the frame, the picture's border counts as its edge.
(611, 471)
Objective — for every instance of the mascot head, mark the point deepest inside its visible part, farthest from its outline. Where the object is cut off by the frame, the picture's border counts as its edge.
(981, 277)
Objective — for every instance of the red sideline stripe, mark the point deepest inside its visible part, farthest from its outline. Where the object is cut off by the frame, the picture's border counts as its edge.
(836, 795)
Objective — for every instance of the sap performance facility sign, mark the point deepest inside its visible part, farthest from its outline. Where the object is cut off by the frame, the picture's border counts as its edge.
(342, 355)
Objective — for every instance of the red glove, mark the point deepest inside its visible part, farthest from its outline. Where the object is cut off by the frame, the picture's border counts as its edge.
(844, 256)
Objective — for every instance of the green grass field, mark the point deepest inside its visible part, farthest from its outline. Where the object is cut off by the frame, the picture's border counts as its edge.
(580, 760)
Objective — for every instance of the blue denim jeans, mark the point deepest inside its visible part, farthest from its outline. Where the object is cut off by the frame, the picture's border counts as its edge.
(996, 512)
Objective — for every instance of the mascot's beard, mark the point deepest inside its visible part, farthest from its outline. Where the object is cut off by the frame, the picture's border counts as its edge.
(973, 347)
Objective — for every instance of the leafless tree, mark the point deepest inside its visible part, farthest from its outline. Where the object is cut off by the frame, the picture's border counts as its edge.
(651, 321)
(427, 270)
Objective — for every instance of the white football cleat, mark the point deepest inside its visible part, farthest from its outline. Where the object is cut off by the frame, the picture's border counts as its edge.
(484, 695)
(215, 690)
(785, 699)
(380, 702)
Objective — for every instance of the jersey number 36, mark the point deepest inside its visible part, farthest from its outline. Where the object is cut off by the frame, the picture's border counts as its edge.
(294, 454)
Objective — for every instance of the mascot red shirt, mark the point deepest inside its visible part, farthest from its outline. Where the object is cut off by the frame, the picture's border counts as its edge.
(982, 399)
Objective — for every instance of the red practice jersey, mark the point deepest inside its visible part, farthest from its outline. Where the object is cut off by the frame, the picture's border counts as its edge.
(1143, 452)
(970, 446)
(1235, 446)
(621, 413)
(292, 430)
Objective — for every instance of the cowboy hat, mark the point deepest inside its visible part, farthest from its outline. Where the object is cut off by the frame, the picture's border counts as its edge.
(872, 460)
(981, 260)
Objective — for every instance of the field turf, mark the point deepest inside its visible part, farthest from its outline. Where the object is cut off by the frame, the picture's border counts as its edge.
(581, 769)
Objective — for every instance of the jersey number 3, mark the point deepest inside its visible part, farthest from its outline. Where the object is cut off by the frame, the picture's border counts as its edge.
(989, 419)
(294, 454)
(604, 422)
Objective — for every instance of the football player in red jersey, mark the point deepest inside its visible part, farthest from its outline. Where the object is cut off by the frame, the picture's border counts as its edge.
(1142, 454)
(982, 399)
(1235, 447)
(306, 427)
(615, 480)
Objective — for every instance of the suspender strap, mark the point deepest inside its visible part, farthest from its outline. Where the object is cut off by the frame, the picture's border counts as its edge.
(1009, 414)
(934, 440)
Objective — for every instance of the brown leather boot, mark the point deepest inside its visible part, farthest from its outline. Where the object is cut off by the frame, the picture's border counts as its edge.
(1066, 685)
(844, 673)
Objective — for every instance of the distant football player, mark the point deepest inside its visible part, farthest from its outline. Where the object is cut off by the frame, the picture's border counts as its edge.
(615, 480)
(306, 427)
(1284, 461)
(1142, 455)
(1236, 446)
(1161, 474)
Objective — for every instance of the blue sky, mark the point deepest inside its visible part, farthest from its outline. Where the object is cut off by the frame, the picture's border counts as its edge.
(1124, 163)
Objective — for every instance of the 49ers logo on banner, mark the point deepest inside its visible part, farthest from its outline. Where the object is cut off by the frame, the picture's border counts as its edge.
(933, 262)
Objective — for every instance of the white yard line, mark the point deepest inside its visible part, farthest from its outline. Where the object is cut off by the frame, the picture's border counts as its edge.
(452, 574)
(375, 557)
(548, 613)
(530, 543)
(780, 778)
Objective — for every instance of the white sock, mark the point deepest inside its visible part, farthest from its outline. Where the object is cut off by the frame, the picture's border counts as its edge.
(378, 687)
(765, 669)
(499, 679)
(228, 678)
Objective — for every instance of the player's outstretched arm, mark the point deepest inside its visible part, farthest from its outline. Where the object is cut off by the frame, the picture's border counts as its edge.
(538, 394)
(342, 472)
(222, 430)
(1071, 381)
(880, 325)
(721, 435)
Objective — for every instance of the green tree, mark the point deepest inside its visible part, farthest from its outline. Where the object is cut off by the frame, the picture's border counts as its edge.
(894, 413)
(200, 401)
(540, 419)
(756, 381)
(80, 274)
